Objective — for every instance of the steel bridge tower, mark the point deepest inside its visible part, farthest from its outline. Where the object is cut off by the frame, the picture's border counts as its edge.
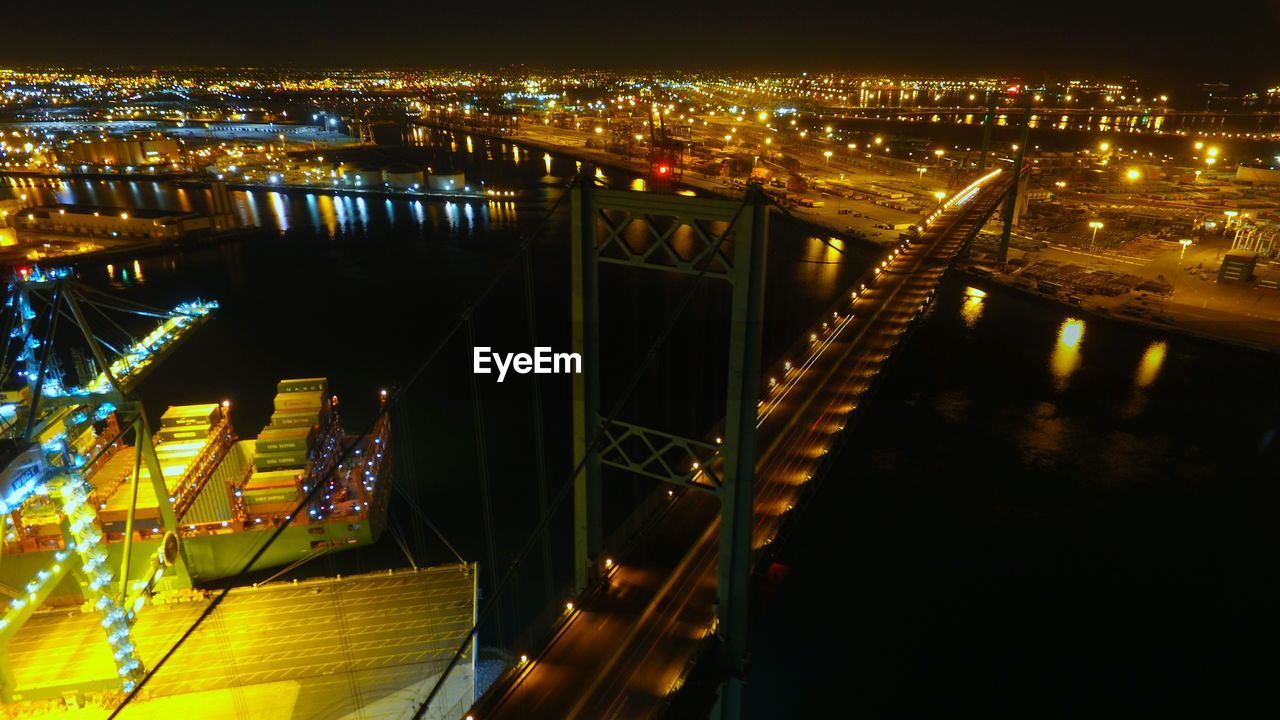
(601, 222)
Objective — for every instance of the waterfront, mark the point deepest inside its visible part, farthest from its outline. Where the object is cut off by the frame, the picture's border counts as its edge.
(359, 290)
(1073, 523)
(973, 436)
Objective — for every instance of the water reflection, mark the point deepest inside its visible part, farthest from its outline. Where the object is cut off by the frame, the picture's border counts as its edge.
(546, 160)
(971, 308)
(1066, 354)
(1151, 363)
(279, 210)
(1148, 370)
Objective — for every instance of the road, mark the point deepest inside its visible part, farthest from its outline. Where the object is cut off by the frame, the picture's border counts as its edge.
(623, 654)
(862, 217)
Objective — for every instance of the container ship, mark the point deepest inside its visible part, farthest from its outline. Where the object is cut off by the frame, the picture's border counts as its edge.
(228, 495)
(101, 511)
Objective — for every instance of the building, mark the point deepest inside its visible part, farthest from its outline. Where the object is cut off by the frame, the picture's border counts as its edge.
(59, 223)
(1237, 266)
(1257, 175)
(121, 152)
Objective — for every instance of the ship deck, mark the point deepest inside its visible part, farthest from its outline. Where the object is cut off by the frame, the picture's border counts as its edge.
(326, 648)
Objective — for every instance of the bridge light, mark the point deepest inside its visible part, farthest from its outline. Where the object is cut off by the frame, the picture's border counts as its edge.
(608, 563)
(568, 607)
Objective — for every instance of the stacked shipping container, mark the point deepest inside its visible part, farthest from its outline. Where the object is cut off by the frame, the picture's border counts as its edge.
(284, 446)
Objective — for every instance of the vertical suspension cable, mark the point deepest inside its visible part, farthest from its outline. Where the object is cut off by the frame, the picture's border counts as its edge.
(486, 499)
(407, 466)
(539, 444)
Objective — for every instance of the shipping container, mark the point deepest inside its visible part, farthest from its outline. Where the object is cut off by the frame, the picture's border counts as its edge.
(284, 419)
(320, 385)
(300, 401)
(269, 495)
(272, 461)
(272, 479)
(274, 440)
(272, 508)
(188, 432)
(181, 415)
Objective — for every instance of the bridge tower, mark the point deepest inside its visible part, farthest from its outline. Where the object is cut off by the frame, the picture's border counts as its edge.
(600, 221)
(1020, 179)
(988, 121)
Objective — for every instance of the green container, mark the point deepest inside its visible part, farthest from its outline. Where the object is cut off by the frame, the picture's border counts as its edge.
(263, 480)
(302, 385)
(184, 415)
(284, 419)
(295, 402)
(280, 460)
(182, 434)
(283, 440)
(268, 495)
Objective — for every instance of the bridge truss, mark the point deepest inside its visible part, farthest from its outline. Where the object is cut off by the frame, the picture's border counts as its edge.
(720, 239)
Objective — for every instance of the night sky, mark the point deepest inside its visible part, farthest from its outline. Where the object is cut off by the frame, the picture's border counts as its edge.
(1164, 43)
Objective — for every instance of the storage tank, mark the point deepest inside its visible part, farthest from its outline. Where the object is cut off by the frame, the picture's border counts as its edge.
(404, 179)
(446, 182)
(364, 177)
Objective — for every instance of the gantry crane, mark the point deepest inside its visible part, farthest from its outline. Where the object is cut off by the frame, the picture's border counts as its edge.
(57, 431)
(666, 153)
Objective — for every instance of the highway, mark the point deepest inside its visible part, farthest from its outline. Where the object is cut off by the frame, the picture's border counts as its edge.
(622, 654)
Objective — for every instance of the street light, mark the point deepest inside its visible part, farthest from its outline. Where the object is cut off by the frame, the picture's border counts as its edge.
(1184, 242)
(921, 171)
(940, 195)
(826, 157)
(1096, 225)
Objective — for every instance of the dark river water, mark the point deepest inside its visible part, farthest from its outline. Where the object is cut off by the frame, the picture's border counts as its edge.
(1036, 514)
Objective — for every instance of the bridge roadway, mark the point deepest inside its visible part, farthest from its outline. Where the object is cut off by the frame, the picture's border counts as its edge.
(627, 649)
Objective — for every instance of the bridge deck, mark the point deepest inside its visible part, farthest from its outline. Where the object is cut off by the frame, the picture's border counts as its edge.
(624, 653)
